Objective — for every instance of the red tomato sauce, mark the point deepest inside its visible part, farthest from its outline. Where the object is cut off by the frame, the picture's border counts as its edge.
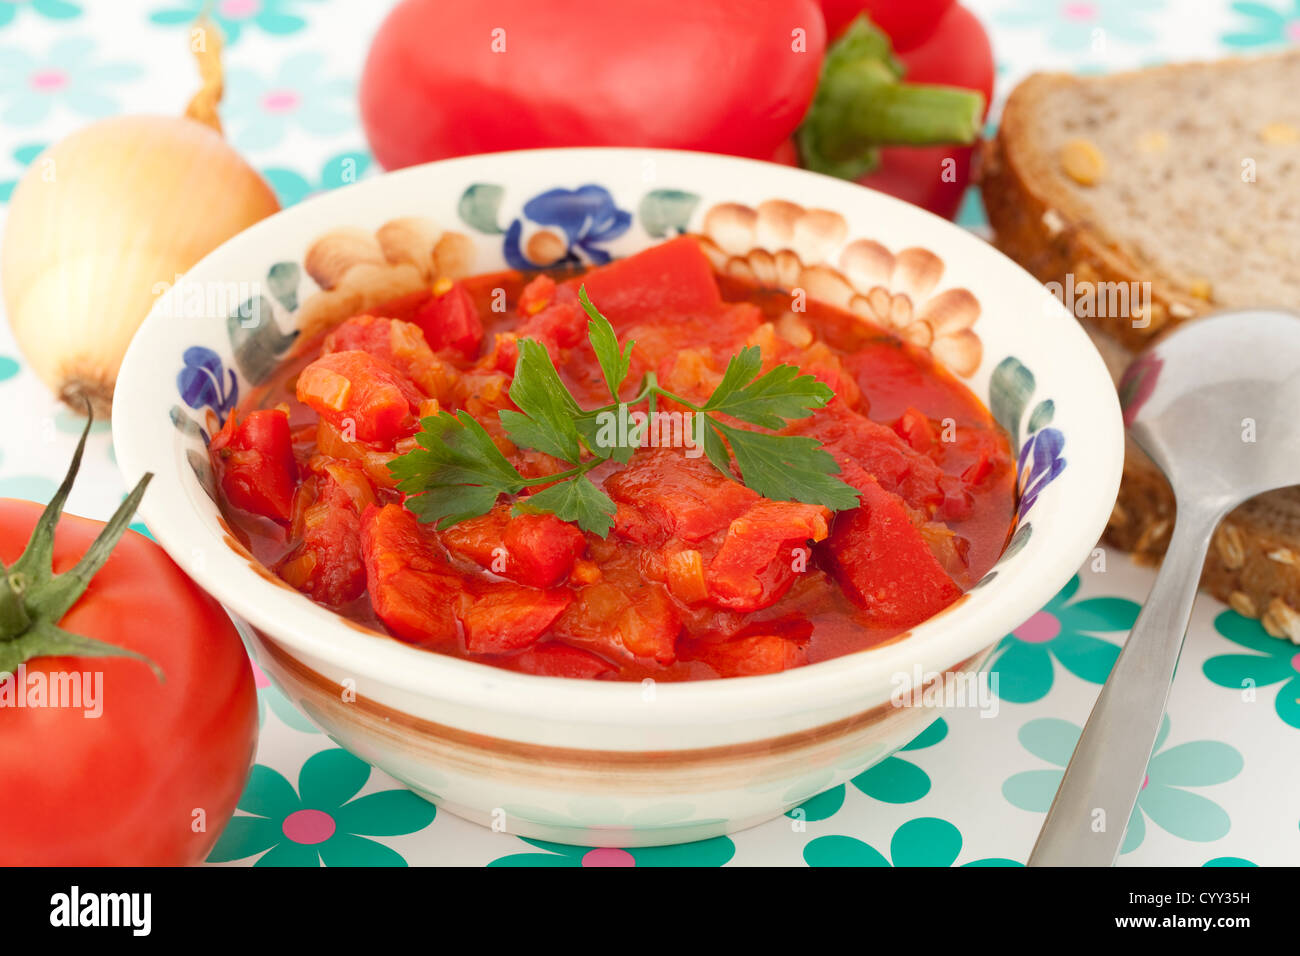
(700, 577)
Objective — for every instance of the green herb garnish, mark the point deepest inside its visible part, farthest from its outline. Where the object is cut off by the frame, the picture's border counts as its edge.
(458, 473)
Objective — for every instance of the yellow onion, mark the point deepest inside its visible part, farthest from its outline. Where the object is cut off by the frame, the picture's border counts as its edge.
(105, 220)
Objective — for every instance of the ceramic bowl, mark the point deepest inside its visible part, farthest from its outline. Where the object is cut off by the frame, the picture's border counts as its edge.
(598, 763)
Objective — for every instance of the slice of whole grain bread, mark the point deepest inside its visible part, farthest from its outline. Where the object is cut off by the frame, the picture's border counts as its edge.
(1186, 177)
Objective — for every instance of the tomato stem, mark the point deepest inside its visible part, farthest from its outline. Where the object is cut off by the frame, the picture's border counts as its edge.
(862, 104)
(53, 599)
(13, 614)
(33, 599)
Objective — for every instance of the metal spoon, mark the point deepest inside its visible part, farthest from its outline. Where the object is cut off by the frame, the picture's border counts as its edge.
(1216, 404)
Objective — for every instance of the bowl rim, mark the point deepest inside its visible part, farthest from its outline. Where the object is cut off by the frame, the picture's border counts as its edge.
(956, 634)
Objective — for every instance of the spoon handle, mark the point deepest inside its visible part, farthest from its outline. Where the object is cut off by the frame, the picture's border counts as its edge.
(1086, 823)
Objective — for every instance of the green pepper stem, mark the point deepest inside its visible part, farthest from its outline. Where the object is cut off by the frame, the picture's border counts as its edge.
(861, 105)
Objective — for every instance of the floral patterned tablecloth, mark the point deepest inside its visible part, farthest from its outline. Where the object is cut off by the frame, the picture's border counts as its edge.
(1224, 785)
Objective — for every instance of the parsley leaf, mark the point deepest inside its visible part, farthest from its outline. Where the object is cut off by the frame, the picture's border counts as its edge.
(768, 400)
(788, 468)
(600, 431)
(615, 363)
(547, 409)
(457, 473)
(452, 504)
(456, 450)
(576, 500)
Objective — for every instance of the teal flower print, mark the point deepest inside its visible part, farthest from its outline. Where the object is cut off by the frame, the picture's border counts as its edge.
(51, 9)
(893, 780)
(925, 841)
(1066, 632)
(9, 367)
(23, 156)
(1070, 25)
(276, 17)
(1224, 861)
(340, 170)
(1275, 661)
(713, 852)
(320, 823)
(1164, 796)
(259, 109)
(1265, 24)
(70, 75)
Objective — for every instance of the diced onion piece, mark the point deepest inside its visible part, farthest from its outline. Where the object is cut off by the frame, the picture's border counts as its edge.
(356, 486)
(585, 572)
(297, 571)
(328, 387)
(686, 576)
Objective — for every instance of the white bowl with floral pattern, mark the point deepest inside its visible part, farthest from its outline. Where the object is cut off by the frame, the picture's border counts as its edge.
(591, 762)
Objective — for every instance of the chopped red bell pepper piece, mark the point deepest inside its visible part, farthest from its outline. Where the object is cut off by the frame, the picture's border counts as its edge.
(413, 590)
(327, 562)
(674, 277)
(533, 549)
(505, 617)
(356, 392)
(763, 552)
(554, 659)
(254, 459)
(400, 344)
(450, 321)
(883, 563)
(685, 497)
(753, 655)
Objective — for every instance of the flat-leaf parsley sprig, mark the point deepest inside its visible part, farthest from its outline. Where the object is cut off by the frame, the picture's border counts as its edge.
(458, 472)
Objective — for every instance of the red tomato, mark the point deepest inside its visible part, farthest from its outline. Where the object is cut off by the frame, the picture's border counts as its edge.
(255, 461)
(623, 616)
(451, 79)
(152, 781)
(543, 548)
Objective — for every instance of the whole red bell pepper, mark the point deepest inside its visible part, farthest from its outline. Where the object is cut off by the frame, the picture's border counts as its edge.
(475, 76)
(729, 76)
(935, 42)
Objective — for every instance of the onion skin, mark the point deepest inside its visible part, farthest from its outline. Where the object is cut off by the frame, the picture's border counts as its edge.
(99, 224)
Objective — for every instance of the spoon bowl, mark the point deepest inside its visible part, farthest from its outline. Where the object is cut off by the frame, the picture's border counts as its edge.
(1216, 404)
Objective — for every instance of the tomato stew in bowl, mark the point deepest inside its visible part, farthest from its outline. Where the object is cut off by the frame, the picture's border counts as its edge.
(697, 575)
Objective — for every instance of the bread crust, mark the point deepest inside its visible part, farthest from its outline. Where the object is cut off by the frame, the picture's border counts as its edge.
(1037, 222)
